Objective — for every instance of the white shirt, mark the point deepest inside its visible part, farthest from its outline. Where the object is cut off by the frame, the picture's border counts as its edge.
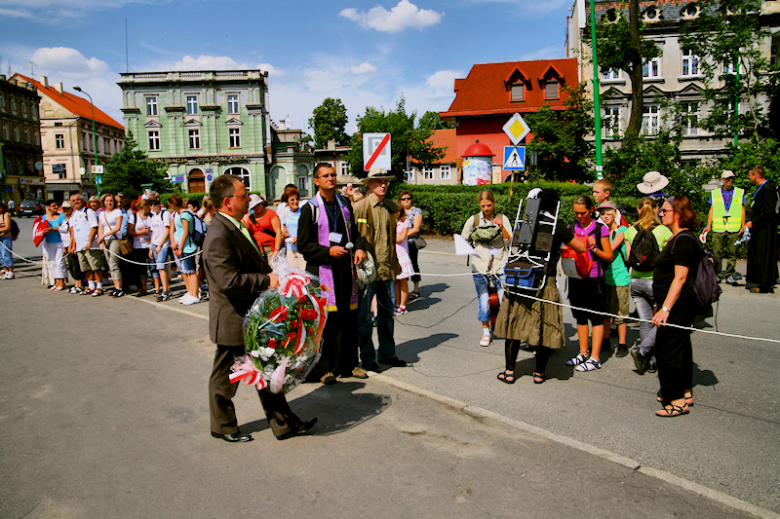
(160, 224)
(139, 224)
(83, 222)
(108, 220)
(64, 230)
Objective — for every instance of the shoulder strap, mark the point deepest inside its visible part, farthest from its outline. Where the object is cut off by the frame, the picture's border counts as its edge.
(476, 220)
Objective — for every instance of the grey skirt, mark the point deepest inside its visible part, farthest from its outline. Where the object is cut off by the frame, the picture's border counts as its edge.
(520, 318)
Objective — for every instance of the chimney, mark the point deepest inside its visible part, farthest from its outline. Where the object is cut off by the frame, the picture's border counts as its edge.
(331, 144)
(58, 87)
(45, 81)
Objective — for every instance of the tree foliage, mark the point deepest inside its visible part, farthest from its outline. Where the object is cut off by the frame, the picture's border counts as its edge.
(432, 121)
(406, 139)
(329, 121)
(127, 169)
(560, 137)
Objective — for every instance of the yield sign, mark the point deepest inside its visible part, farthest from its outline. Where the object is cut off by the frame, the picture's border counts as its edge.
(514, 158)
(376, 151)
(516, 129)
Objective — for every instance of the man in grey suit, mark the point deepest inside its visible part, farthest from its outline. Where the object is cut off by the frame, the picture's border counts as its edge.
(237, 271)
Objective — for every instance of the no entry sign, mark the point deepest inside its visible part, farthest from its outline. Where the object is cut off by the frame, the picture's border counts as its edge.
(376, 151)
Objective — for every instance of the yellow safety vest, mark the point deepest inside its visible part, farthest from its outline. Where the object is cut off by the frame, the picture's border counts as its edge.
(723, 221)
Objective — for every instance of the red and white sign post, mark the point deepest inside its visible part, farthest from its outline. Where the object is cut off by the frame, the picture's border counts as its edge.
(376, 151)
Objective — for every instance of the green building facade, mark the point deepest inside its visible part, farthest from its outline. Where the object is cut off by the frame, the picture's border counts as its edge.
(203, 124)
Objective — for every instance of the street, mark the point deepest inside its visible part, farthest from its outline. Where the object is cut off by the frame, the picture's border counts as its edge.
(104, 414)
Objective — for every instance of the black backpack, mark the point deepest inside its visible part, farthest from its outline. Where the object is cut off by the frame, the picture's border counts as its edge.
(705, 286)
(14, 229)
(644, 250)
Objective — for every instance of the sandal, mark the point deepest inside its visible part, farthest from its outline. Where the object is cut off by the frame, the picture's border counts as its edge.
(579, 359)
(688, 401)
(589, 365)
(413, 295)
(508, 378)
(671, 411)
(485, 341)
(97, 292)
(87, 291)
(539, 378)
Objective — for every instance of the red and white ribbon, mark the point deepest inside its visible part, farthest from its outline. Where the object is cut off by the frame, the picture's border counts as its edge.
(244, 370)
(295, 285)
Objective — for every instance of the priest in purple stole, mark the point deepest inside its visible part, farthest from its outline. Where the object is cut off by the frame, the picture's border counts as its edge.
(331, 245)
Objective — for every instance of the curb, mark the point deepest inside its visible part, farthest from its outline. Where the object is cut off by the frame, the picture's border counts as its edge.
(677, 481)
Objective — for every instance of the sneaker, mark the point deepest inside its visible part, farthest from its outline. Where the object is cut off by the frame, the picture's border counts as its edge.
(400, 310)
(118, 293)
(730, 280)
(622, 350)
(164, 296)
(191, 300)
(589, 365)
(640, 361)
(651, 367)
(576, 361)
(8, 275)
(359, 372)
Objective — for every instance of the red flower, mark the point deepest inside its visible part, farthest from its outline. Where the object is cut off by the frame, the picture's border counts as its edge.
(308, 314)
(294, 324)
(279, 314)
(272, 343)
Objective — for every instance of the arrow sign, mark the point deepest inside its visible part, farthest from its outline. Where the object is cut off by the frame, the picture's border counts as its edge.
(514, 158)
(376, 151)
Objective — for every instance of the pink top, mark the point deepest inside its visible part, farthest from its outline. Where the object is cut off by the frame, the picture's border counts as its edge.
(403, 247)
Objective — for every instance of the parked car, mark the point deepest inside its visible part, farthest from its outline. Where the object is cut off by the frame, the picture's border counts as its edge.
(31, 208)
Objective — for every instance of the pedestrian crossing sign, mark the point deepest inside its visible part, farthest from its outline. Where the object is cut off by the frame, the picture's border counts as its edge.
(514, 158)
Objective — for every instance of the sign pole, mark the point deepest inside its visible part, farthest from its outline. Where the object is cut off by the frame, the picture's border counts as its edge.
(596, 94)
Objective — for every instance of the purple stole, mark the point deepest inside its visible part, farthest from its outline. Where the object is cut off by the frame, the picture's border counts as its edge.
(326, 271)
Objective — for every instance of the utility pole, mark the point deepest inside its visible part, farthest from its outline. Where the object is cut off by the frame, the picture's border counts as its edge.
(596, 94)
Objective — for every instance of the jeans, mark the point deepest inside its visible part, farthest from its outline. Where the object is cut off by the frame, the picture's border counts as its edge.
(6, 257)
(384, 326)
(642, 295)
(481, 282)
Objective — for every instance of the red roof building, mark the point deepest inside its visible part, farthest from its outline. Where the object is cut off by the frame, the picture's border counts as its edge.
(493, 92)
(443, 171)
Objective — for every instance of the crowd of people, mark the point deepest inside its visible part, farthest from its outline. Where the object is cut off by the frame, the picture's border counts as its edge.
(654, 262)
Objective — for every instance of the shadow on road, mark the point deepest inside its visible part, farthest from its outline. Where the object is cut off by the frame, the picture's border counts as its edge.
(410, 350)
(338, 407)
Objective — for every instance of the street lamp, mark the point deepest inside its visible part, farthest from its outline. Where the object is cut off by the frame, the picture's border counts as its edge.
(94, 132)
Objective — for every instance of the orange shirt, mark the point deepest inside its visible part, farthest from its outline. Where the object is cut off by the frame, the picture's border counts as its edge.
(261, 229)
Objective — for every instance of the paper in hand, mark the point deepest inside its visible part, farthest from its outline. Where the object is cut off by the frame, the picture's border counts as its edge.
(462, 247)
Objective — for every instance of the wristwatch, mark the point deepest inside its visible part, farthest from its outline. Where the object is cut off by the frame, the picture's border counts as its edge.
(665, 308)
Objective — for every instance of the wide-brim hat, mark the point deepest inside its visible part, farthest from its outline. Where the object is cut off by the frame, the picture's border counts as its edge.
(254, 201)
(727, 173)
(653, 181)
(378, 174)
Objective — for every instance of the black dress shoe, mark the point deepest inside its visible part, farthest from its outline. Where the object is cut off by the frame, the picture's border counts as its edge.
(237, 437)
(395, 362)
(302, 429)
(372, 366)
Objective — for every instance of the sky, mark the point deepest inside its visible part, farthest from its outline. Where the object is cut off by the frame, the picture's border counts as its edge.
(366, 53)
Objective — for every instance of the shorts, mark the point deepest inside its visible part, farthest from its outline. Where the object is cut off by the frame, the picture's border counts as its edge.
(187, 263)
(617, 302)
(91, 260)
(162, 257)
(589, 294)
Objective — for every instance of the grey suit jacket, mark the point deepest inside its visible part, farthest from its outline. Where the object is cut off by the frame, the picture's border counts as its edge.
(236, 274)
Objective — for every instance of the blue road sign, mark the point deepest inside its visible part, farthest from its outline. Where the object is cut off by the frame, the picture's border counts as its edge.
(514, 158)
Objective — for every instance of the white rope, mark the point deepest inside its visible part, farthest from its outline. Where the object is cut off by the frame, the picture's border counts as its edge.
(149, 263)
(20, 256)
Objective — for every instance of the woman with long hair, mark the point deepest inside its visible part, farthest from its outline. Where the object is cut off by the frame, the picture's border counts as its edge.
(53, 244)
(641, 286)
(109, 234)
(415, 217)
(139, 228)
(590, 293)
(184, 247)
(675, 267)
(264, 225)
(489, 234)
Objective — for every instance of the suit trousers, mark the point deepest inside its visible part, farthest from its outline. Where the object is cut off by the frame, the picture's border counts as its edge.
(221, 392)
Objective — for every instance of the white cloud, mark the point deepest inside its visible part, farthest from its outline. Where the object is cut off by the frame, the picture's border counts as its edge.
(363, 68)
(403, 16)
(68, 62)
(441, 82)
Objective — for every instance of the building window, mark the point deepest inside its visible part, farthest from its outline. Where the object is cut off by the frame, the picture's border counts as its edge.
(613, 125)
(344, 168)
(192, 105)
(241, 173)
(651, 120)
(690, 63)
(518, 91)
(2, 102)
(27, 136)
(24, 109)
(234, 136)
(60, 170)
(151, 106)
(35, 113)
(445, 172)
(154, 140)
(16, 133)
(5, 132)
(774, 53)
(303, 183)
(106, 145)
(13, 106)
(551, 90)
(690, 117)
(728, 68)
(195, 139)
(37, 140)
(652, 68)
(428, 172)
(611, 74)
(232, 100)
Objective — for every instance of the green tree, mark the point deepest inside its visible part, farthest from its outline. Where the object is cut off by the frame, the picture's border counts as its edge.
(728, 33)
(406, 139)
(621, 46)
(126, 170)
(432, 121)
(559, 137)
(329, 122)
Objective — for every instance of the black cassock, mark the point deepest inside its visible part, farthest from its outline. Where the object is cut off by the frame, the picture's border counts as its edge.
(762, 247)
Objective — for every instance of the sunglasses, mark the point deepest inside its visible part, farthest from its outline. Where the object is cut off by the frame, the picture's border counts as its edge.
(405, 199)
(664, 211)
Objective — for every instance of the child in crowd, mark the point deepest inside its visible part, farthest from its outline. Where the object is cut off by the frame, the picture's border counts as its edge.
(602, 189)
(404, 261)
(616, 278)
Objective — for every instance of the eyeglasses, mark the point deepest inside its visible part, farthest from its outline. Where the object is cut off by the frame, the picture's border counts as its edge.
(332, 175)
(664, 211)
(245, 195)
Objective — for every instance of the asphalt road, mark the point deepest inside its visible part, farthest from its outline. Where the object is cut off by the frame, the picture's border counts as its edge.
(104, 413)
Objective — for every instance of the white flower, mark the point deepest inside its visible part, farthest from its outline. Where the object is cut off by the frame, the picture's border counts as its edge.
(266, 353)
(254, 353)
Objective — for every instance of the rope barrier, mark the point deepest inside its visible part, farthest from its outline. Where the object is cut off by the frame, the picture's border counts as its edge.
(20, 256)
